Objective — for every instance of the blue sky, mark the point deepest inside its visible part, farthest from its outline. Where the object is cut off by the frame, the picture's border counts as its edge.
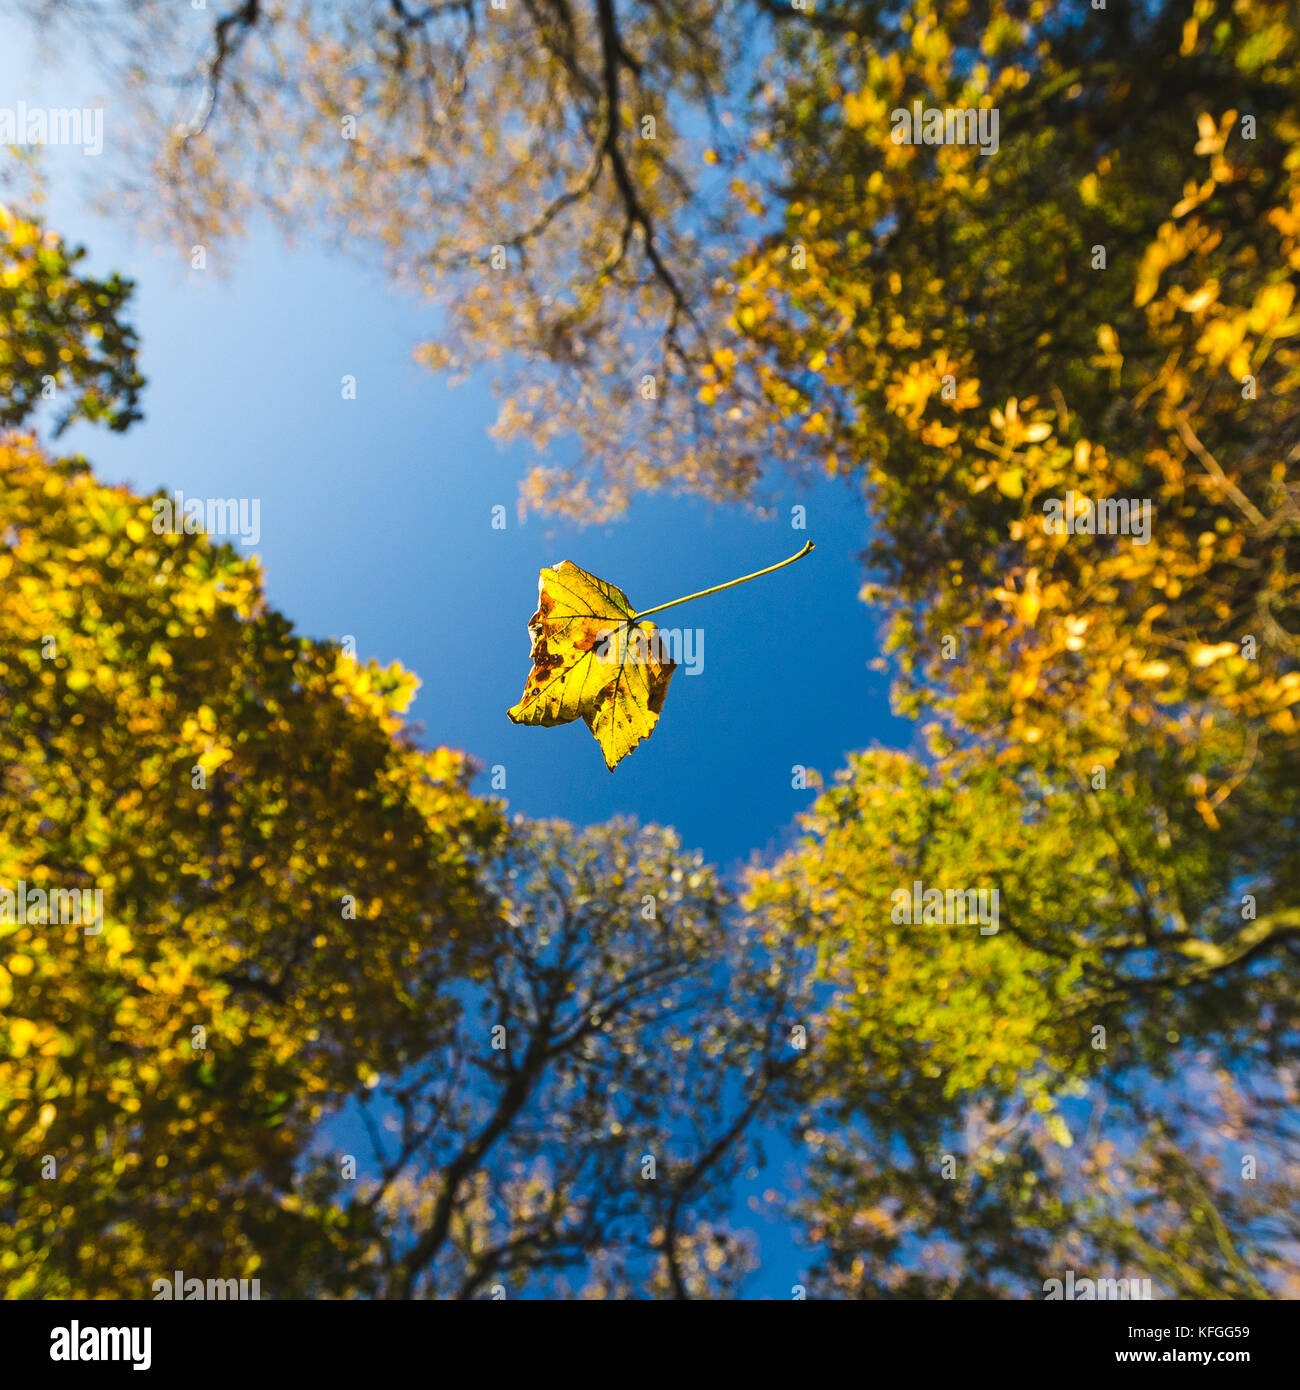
(376, 522)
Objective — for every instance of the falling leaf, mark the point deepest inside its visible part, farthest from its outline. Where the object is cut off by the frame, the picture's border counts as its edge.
(595, 658)
(592, 658)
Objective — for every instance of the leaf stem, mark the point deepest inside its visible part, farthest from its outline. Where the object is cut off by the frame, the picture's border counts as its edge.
(717, 588)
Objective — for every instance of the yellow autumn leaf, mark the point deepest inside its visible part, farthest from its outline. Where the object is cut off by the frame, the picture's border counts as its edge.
(596, 659)
(1059, 1131)
(1206, 655)
(1012, 482)
(21, 1033)
(593, 660)
(213, 758)
(861, 108)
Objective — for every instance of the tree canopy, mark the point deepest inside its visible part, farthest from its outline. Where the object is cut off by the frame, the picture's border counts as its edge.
(1057, 367)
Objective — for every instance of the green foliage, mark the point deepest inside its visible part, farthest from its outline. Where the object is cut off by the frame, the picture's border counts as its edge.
(60, 333)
